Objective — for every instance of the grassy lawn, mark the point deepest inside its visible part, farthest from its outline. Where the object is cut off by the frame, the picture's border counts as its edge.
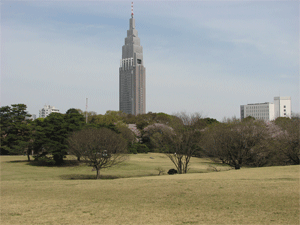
(56, 195)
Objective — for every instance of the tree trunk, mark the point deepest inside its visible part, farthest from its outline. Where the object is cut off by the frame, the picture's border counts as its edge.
(180, 166)
(237, 166)
(28, 154)
(58, 159)
(98, 173)
(78, 158)
(185, 169)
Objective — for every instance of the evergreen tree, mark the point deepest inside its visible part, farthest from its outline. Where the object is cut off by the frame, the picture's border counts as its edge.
(51, 133)
(15, 129)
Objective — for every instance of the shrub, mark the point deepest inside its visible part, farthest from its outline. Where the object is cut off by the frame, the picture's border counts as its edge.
(160, 170)
(172, 171)
(142, 148)
(44, 161)
(138, 148)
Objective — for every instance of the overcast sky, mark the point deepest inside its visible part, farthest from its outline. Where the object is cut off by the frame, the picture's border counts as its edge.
(200, 56)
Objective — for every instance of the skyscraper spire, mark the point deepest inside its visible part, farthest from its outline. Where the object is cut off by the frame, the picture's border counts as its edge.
(131, 9)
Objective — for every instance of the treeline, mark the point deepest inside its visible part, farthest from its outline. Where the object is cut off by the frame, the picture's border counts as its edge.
(254, 142)
(47, 138)
(237, 143)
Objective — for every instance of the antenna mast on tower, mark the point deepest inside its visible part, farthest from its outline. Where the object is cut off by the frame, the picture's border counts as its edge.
(131, 9)
(86, 107)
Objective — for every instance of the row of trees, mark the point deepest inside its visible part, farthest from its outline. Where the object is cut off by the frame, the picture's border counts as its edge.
(253, 142)
(237, 143)
(105, 139)
(19, 134)
(48, 136)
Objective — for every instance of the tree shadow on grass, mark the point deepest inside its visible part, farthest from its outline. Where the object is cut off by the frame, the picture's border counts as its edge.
(102, 177)
(87, 177)
(67, 163)
(17, 161)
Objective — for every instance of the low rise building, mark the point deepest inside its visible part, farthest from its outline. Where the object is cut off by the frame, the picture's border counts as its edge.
(268, 111)
(44, 112)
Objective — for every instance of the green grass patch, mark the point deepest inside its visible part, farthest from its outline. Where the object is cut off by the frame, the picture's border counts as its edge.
(132, 193)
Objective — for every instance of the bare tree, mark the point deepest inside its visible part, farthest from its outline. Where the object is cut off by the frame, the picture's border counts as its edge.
(160, 170)
(288, 142)
(100, 148)
(180, 140)
(235, 142)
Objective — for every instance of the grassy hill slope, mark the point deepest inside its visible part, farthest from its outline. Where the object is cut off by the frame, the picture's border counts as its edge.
(54, 195)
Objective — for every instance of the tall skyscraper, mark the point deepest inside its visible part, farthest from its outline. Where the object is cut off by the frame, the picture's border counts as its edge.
(132, 74)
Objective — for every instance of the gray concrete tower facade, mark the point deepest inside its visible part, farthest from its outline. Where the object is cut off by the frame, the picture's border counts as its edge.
(132, 74)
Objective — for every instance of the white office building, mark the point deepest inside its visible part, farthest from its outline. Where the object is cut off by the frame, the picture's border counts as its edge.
(282, 107)
(268, 111)
(44, 112)
(264, 111)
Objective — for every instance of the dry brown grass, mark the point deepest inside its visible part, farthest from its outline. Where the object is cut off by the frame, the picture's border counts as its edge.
(39, 195)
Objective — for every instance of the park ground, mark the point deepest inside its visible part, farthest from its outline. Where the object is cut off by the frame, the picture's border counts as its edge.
(133, 193)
